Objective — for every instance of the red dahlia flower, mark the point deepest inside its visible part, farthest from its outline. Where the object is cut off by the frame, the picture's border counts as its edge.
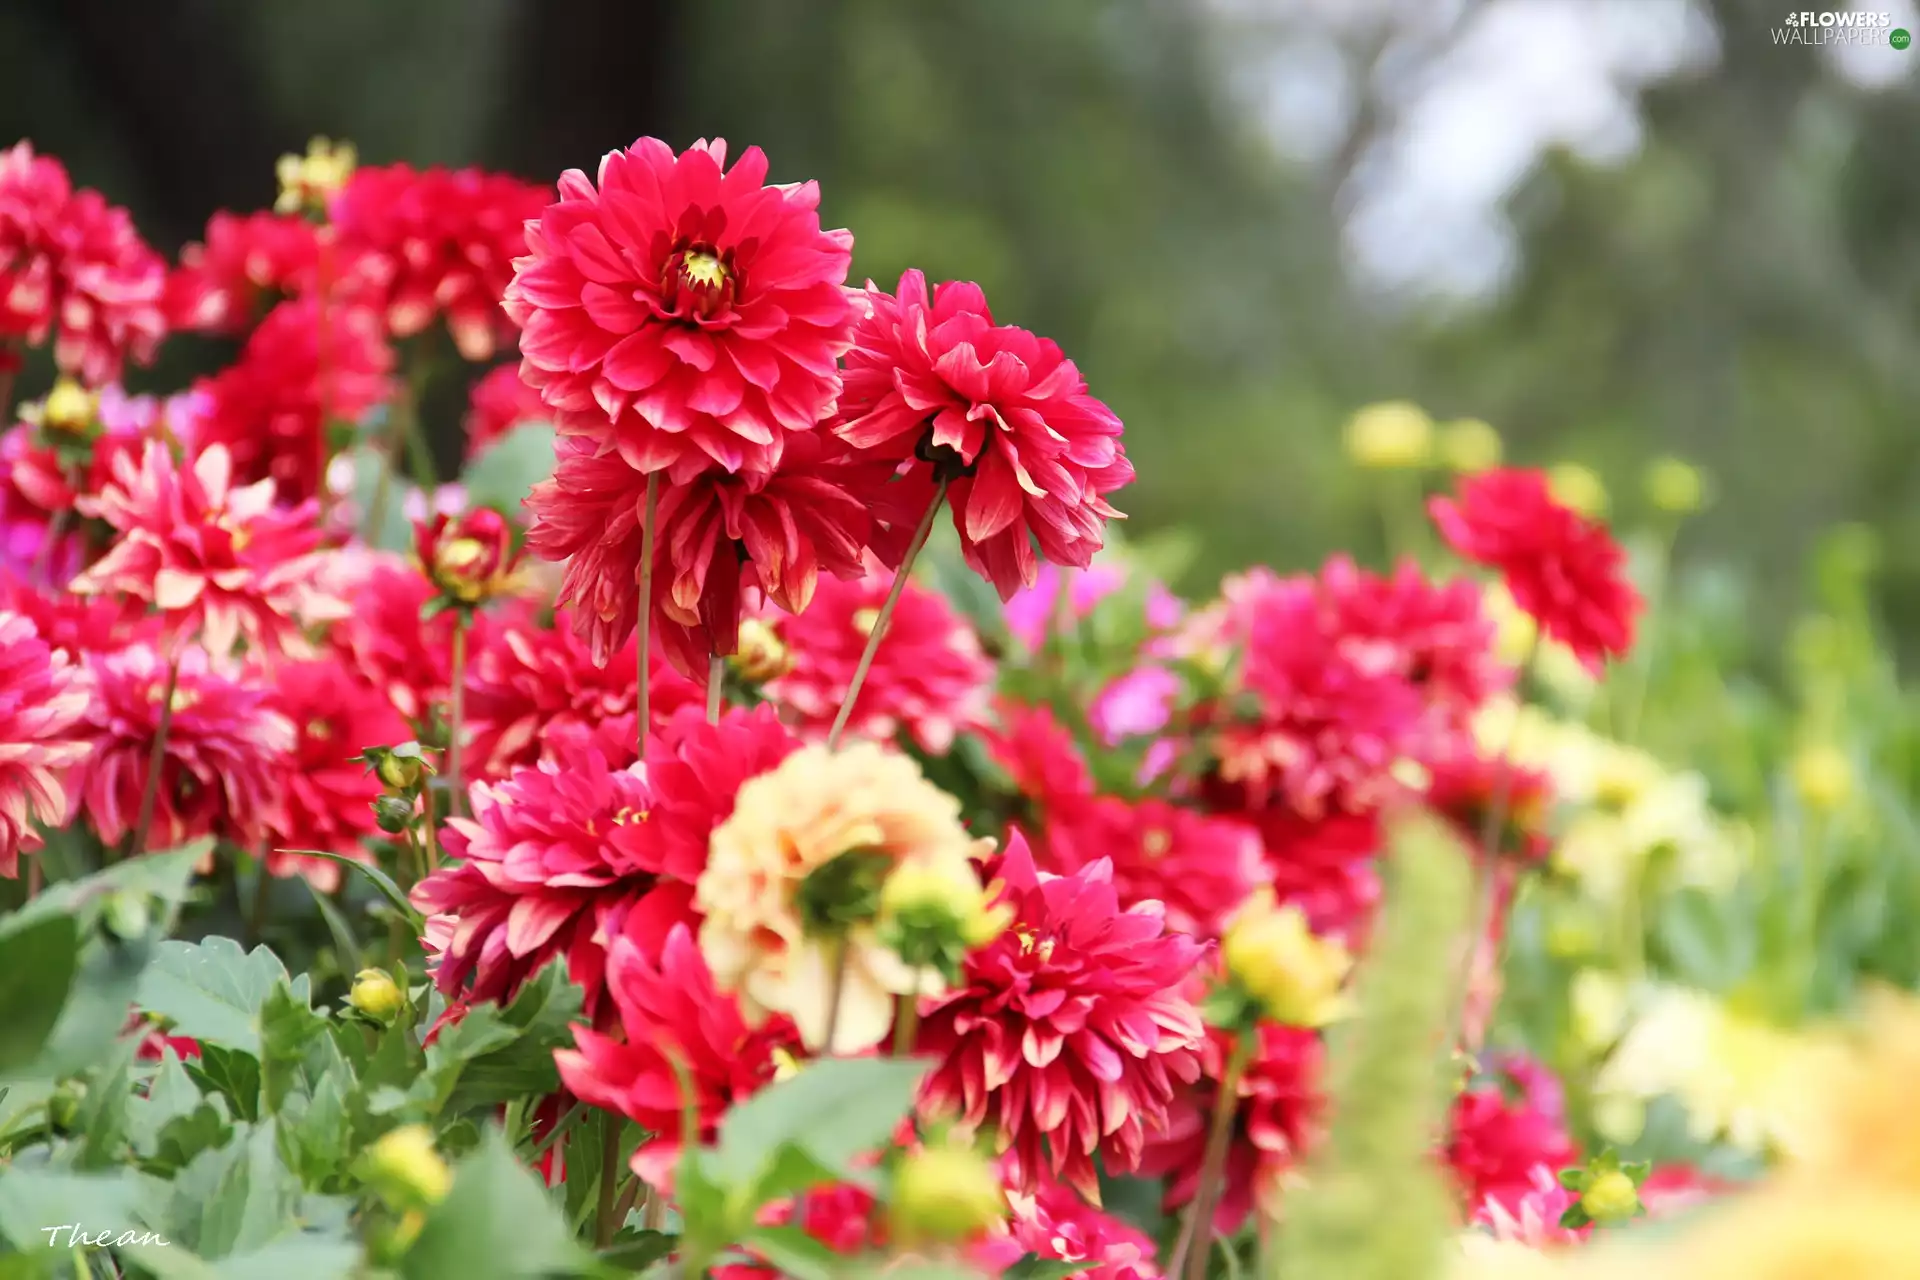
(1002, 412)
(383, 638)
(215, 560)
(1329, 868)
(244, 261)
(1199, 868)
(224, 758)
(46, 482)
(1039, 755)
(300, 372)
(469, 557)
(72, 265)
(718, 536)
(1502, 1131)
(1069, 1034)
(42, 696)
(1468, 789)
(684, 316)
(697, 770)
(1056, 1225)
(929, 677)
(531, 689)
(1276, 1120)
(671, 1013)
(78, 625)
(556, 861)
(329, 797)
(497, 404)
(1563, 569)
(439, 242)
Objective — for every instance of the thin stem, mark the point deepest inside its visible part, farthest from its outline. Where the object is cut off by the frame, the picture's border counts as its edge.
(373, 519)
(906, 1023)
(835, 985)
(262, 888)
(430, 832)
(36, 870)
(456, 719)
(559, 1130)
(9, 370)
(716, 681)
(156, 758)
(625, 1205)
(886, 615)
(643, 640)
(1198, 1237)
(603, 1223)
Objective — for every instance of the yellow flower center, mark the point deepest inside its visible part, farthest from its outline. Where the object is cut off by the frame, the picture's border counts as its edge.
(703, 270)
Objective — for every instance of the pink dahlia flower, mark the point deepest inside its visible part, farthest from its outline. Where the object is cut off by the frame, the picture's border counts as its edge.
(1562, 568)
(384, 638)
(78, 625)
(216, 560)
(1069, 1035)
(1054, 1224)
(225, 750)
(498, 402)
(557, 861)
(929, 677)
(1039, 756)
(697, 770)
(300, 372)
(439, 242)
(999, 411)
(42, 696)
(671, 1013)
(243, 264)
(682, 314)
(72, 265)
(1199, 868)
(1502, 1131)
(719, 537)
(1532, 1217)
(329, 796)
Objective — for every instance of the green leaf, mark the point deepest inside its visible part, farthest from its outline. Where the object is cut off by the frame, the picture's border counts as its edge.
(214, 991)
(236, 1198)
(494, 1054)
(796, 1253)
(832, 1110)
(35, 1198)
(39, 962)
(96, 1010)
(505, 474)
(232, 1074)
(392, 531)
(637, 1250)
(381, 881)
(495, 1224)
(1034, 1267)
(289, 1029)
(102, 1120)
(293, 1258)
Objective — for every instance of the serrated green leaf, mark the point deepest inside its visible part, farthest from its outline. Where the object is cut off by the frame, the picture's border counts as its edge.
(214, 991)
(289, 1030)
(505, 474)
(497, 1223)
(38, 960)
(102, 1119)
(232, 1074)
(236, 1198)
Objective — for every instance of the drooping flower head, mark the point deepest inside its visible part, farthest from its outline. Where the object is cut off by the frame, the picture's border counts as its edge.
(438, 242)
(1000, 412)
(556, 861)
(225, 750)
(1561, 567)
(72, 266)
(302, 371)
(329, 795)
(846, 816)
(929, 677)
(719, 537)
(215, 559)
(685, 314)
(671, 1013)
(42, 696)
(1070, 1034)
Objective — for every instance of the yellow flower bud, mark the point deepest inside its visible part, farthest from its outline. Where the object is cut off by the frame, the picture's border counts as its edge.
(942, 898)
(1823, 776)
(405, 1167)
(69, 408)
(1469, 446)
(308, 182)
(399, 772)
(944, 1194)
(1675, 486)
(762, 655)
(1273, 955)
(1610, 1197)
(377, 995)
(1579, 488)
(1393, 434)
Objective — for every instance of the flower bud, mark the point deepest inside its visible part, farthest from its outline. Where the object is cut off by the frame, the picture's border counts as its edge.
(63, 1107)
(1295, 977)
(69, 409)
(1469, 446)
(377, 995)
(402, 773)
(931, 910)
(393, 814)
(944, 1194)
(470, 559)
(404, 1167)
(1578, 487)
(1824, 778)
(1675, 487)
(308, 183)
(762, 655)
(1610, 1197)
(1395, 434)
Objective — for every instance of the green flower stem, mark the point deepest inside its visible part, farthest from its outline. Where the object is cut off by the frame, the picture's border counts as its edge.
(716, 684)
(1196, 1240)
(886, 614)
(604, 1222)
(456, 723)
(156, 760)
(643, 640)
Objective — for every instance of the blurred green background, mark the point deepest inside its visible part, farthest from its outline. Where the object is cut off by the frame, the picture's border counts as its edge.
(1612, 228)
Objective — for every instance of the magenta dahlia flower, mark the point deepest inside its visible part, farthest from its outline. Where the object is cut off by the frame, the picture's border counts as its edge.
(1199, 868)
(215, 560)
(556, 861)
(1069, 1035)
(1054, 1224)
(42, 696)
(697, 770)
(73, 266)
(671, 1013)
(1501, 1131)
(930, 678)
(225, 755)
(242, 264)
(1562, 568)
(685, 315)
(383, 638)
(1002, 413)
